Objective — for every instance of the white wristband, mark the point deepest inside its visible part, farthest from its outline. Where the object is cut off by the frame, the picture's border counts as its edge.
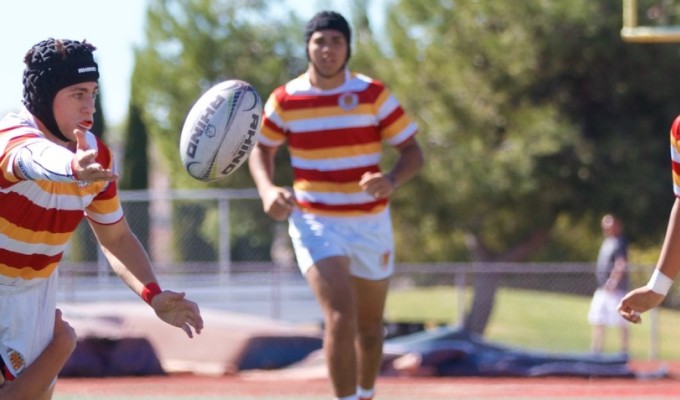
(659, 283)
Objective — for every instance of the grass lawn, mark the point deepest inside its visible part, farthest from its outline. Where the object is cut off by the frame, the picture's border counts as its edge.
(537, 320)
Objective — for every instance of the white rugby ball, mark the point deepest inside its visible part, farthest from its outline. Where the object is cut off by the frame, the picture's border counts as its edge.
(220, 130)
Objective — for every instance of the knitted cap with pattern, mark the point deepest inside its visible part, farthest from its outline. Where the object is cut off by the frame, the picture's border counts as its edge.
(52, 65)
(329, 20)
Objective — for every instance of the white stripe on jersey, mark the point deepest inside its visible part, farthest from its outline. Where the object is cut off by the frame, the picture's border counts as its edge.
(104, 219)
(675, 155)
(334, 198)
(332, 122)
(31, 248)
(336, 164)
(46, 200)
(403, 135)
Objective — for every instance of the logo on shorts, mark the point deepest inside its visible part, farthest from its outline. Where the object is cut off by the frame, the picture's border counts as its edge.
(385, 261)
(16, 360)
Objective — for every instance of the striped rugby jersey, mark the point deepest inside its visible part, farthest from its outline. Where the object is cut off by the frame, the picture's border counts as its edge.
(37, 218)
(675, 155)
(333, 137)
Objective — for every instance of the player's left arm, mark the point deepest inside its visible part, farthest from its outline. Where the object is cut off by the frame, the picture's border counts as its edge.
(409, 162)
(131, 263)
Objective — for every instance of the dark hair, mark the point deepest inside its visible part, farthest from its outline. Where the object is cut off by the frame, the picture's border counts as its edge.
(52, 65)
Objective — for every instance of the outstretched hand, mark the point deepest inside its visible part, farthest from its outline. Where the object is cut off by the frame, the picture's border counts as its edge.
(85, 166)
(174, 309)
(638, 301)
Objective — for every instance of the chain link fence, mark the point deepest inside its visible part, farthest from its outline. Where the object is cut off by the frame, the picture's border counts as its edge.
(220, 248)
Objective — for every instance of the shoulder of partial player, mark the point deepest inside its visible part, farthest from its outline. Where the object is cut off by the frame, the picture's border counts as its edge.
(14, 121)
(17, 136)
(13, 125)
(24, 133)
(14, 140)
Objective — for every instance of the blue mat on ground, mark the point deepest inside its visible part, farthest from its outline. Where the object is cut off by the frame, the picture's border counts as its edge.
(451, 351)
(97, 357)
(273, 352)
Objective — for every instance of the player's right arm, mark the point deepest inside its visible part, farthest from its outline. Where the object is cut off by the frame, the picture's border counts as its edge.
(277, 201)
(645, 298)
(668, 265)
(36, 380)
(43, 160)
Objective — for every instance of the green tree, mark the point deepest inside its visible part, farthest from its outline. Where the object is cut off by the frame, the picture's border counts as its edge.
(533, 112)
(536, 118)
(135, 170)
(135, 173)
(99, 125)
(191, 46)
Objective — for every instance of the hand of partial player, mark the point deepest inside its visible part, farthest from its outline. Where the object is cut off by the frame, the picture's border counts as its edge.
(85, 166)
(64, 335)
(278, 203)
(35, 381)
(638, 301)
(177, 311)
(376, 184)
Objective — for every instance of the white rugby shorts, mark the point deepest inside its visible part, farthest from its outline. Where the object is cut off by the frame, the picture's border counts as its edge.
(26, 322)
(368, 242)
(604, 308)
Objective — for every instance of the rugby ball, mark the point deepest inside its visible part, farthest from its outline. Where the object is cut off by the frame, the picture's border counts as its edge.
(220, 130)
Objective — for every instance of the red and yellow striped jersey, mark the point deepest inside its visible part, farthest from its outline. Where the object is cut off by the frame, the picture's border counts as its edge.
(334, 137)
(37, 218)
(675, 155)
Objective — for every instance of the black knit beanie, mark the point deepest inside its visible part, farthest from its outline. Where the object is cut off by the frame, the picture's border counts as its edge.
(52, 65)
(329, 20)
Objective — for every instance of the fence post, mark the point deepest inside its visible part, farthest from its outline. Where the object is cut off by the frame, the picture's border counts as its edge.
(654, 334)
(102, 267)
(224, 251)
(460, 294)
(275, 294)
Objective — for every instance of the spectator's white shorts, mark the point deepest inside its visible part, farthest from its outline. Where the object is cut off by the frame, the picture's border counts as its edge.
(367, 241)
(604, 308)
(26, 322)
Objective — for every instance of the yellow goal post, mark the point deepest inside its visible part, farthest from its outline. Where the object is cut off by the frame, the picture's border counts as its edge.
(634, 33)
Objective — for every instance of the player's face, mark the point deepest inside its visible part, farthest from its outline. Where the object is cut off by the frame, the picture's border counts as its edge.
(74, 107)
(328, 53)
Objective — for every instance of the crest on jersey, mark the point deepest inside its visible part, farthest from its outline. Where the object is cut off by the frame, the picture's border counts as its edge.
(348, 101)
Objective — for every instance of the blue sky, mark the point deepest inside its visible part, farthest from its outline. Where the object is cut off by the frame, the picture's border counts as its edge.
(114, 27)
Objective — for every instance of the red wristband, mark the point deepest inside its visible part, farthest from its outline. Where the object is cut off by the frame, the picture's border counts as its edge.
(150, 290)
